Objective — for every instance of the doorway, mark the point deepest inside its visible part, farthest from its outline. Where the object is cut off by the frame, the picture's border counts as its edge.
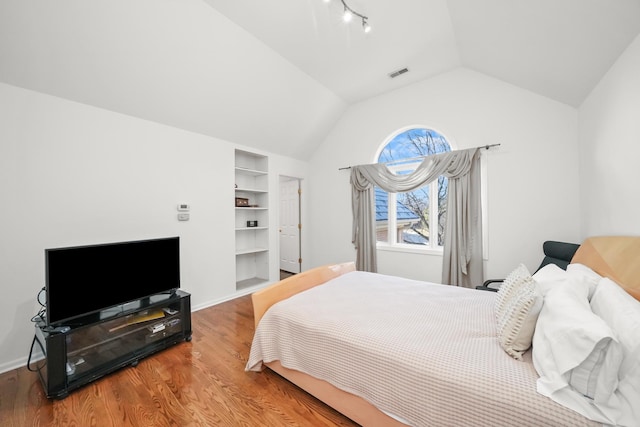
(289, 226)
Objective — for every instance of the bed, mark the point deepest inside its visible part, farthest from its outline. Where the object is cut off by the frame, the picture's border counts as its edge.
(388, 351)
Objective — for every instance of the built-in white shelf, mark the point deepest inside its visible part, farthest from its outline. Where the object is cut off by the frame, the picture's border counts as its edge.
(252, 243)
(248, 171)
(251, 251)
(249, 283)
(250, 190)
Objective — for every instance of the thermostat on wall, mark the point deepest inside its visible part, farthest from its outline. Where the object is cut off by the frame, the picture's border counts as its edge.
(183, 208)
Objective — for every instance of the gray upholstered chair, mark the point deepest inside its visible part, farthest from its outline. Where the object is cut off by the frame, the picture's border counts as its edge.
(559, 253)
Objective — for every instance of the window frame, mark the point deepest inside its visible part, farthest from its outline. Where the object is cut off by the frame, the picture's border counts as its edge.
(392, 245)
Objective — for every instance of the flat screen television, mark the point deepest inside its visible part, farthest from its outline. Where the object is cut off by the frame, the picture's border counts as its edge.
(82, 280)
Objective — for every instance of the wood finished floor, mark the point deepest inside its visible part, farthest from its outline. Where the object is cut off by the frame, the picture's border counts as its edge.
(285, 274)
(197, 383)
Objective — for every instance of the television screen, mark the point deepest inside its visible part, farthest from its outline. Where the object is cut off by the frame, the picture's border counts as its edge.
(87, 279)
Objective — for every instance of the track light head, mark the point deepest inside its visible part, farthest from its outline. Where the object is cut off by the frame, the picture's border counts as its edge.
(365, 26)
(349, 13)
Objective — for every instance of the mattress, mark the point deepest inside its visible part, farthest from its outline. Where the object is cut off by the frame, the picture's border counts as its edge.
(424, 353)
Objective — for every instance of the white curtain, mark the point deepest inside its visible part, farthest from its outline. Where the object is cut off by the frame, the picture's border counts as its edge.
(462, 261)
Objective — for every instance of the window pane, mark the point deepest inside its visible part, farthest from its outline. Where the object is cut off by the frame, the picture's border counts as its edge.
(410, 220)
(413, 143)
(382, 215)
(412, 210)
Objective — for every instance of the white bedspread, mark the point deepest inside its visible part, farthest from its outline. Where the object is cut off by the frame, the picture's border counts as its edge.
(424, 353)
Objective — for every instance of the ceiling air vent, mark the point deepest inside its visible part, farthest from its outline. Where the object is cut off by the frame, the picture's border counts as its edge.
(397, 73)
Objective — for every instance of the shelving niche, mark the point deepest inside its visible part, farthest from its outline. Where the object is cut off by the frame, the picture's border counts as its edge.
(252, 242)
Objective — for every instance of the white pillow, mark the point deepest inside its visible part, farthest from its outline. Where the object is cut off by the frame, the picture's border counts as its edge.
(576, 354)
(587, 276)
(509, 288)
(622, 313)
(549, 277)
(517, 321)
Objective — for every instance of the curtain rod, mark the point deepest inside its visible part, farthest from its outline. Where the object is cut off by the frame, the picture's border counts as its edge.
(486, 147)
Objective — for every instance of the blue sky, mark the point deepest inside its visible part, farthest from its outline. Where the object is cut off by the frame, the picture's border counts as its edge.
(400, 147)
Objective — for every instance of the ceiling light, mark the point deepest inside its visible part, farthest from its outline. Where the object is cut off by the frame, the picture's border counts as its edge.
(349, 13)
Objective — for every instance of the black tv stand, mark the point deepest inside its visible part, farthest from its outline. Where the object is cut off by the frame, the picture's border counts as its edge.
(101, 343)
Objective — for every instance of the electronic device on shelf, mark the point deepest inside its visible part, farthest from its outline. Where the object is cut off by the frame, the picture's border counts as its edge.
(104, 276)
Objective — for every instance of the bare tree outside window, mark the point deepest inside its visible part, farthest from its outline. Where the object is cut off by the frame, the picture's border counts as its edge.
(413, 219)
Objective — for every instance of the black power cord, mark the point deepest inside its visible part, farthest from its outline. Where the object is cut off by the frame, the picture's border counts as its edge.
(37, 368)
(40, 316)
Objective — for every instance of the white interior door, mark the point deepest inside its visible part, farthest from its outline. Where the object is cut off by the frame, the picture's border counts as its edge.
(289, 229)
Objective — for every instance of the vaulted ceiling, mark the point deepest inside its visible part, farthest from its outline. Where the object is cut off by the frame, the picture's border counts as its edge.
(277, 75)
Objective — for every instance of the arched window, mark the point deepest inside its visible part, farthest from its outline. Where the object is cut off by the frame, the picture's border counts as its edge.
(415, 218)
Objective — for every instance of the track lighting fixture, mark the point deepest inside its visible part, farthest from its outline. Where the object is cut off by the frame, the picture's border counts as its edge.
(350, 13)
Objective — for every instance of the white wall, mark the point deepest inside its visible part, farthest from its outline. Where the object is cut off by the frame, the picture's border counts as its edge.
(532, 178)
(181, 63)
(609, 129)
(72, 174)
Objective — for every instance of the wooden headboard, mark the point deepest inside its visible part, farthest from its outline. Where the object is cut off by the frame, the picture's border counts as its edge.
(615, 257)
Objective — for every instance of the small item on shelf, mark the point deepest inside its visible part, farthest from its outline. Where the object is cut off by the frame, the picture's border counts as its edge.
(71, 368)
(141, 317)
(252, 223)
(173, 322)
(156, 328)
(242, 202)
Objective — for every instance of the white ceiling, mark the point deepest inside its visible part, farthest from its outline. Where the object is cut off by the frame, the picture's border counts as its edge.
(557, 48)
(277, 75)
(311, 34)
